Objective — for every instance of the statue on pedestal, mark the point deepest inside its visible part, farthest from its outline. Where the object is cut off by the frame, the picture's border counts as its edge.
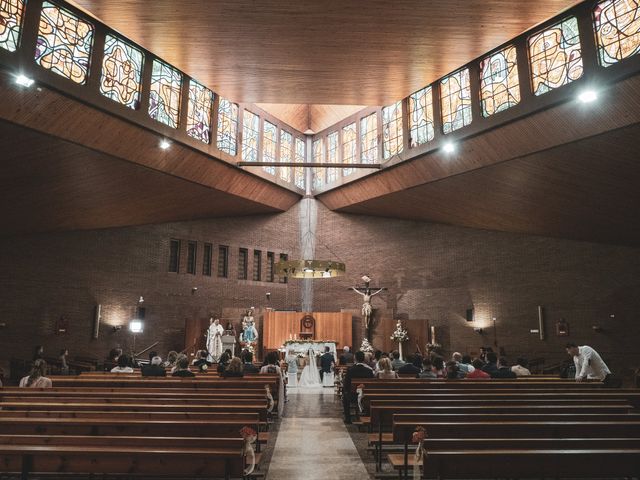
(367, 294)
(249, 335)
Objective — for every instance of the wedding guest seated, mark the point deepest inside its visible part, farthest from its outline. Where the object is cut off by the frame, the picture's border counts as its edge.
(520, 368)
(347, 357)
(369, 360)
(384, 369)
(503, 370)
(377, 356)
(491, 366)
(234, 369)
(396, 362)
(438, 367)
(64, 367)
(271, 364)
(112, 359)
(409, 367)
(201, 359)
(170, 362)
(417, 360)
(38, 352)
(182, 367)
(478, 372)
(155, 368)
(124, 365)
(36, 377)
(453, 371)
(247, 362)
(427, 369)
(463, 362)
(359, 370)
(223, 362)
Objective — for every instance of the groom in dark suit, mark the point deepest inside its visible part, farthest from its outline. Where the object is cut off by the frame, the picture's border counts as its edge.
(326, 361)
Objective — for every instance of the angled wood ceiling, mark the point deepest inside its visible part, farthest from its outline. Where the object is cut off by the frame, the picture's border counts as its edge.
(349, 52)
(310, 117)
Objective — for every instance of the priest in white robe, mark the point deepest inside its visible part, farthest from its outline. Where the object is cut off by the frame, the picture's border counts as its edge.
(214, 340)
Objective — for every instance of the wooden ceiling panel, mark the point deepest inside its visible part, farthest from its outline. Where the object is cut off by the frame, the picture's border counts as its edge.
(585, 190)
(349, 52)
(49, 184)
(310, 117)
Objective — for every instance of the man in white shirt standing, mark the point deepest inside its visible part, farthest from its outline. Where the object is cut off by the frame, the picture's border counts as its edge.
(589, 363)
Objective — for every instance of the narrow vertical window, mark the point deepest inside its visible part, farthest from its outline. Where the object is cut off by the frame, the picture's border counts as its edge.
(369, 138)
(164, 99)
(192, 252)
(617, 26)
(332, 156)
(64, 43)
(121, 72)
(269, 144)
(421, 126)
(299, 158)
(199, 112)
(243, 257)
(455, 97)
(227, 127)
(499, 84)
(392, 130)
(257, 265)
(348, 147)
(174, 256)
(11, 13)
(286, 154)
(555, 57)
(250, 136)
(283, 258)
(223, 261)
(270, 267)
(318, 157)
(206, 259)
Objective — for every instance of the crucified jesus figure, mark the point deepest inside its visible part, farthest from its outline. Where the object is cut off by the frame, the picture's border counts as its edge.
(366, 293)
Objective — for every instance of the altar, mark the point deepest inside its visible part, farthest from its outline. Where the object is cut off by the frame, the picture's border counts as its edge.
(302, 348)
(330, 328)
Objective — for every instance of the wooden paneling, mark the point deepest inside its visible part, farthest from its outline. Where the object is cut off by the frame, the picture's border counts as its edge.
(313, 117)
(279, 327)
(49, 184)
(322, 52)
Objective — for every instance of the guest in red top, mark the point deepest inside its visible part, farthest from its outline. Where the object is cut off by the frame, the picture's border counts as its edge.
(478, 373)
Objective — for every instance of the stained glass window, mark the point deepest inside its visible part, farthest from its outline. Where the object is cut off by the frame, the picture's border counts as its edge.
(164, 100)
(199, 112)
(332, 156)
(64, 43)
(298, 172)
(318, 157)
(269, 145)
(286, 154)
(392, 130)
(499, 85)
(455, 97)
(10, 23)
(369, 138)
(617, 25)
(250, 136)
(421, 126)
(227, 126)
(555, 56)
(121, 72)
(349, 137)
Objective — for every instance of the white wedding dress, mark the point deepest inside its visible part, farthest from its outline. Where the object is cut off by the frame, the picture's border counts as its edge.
(310, 377)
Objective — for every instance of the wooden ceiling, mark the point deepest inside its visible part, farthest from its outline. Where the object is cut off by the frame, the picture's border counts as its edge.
(50, 184)
(310, 117)
(344, 52)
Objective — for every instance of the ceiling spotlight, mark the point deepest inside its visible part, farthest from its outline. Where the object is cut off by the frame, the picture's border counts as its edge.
(164, 144)
(588, 96)
(24, 80)
(449, 147)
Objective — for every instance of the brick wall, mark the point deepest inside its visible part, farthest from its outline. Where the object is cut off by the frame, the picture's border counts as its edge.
(433, 274)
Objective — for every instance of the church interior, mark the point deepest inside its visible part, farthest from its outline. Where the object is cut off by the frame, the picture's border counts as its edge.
(325, 217)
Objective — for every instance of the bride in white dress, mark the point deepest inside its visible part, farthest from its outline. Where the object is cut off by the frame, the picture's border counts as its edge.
(311, 374)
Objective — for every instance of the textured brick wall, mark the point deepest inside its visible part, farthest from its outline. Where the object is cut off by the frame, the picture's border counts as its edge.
(433, 273)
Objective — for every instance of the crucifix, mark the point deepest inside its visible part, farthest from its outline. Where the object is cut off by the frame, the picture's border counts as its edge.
(367, 293)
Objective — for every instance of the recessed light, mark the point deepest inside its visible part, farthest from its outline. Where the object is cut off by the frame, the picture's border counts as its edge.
(164, 144)
(24, 80)
(449, 147)
(588, 96)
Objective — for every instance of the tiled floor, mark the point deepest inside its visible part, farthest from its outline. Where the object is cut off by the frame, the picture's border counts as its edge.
(313, 442)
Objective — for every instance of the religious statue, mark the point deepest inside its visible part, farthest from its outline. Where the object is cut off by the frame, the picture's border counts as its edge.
(249, 335)
(366, 293)
(214, 339)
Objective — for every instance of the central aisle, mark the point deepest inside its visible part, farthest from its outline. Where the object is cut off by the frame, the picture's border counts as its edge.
(313, 442)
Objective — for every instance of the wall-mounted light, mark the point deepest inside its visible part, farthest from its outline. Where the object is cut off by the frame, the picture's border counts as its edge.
(449, 147)
(24, 81)
(479, 331)
(164, 144)
(135, 326)
(117, 328)
(588, 95)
